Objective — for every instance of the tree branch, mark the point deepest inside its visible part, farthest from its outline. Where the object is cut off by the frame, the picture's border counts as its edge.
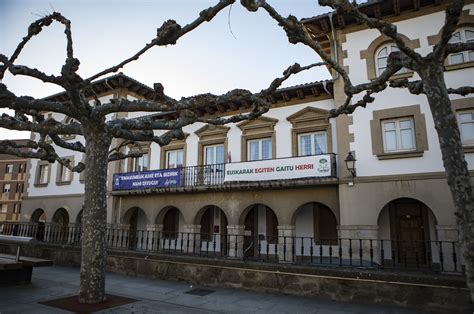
(453, 13)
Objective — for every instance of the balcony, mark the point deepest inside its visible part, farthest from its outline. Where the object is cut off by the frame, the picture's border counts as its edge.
(273, 173)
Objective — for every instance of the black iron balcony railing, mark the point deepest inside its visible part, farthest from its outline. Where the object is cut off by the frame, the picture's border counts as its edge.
(426, 256)
(314, 167)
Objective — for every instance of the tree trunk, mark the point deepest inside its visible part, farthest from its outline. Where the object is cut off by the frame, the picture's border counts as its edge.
(94, 219)
(453, 159)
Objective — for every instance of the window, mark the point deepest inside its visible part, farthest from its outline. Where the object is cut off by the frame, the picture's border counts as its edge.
(6, 188)
(382, 58)
(260, 149)
(174, 158)
(9, 168)
(4, 208)
(43, 174)
(312, 143)
(463, 35)
(398, 135)
(214, 154)
(22, 168)
(65, 174)
(398, 132)
(19, 188)
(139, 163)
(16, 208)
(466, 126)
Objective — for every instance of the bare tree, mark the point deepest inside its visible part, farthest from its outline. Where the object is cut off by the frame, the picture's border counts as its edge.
(104, 139)
(430, 68)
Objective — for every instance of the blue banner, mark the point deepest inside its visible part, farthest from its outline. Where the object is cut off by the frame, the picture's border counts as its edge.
(147, 179)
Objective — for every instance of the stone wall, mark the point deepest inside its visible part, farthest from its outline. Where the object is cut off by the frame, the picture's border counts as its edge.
(355, 285)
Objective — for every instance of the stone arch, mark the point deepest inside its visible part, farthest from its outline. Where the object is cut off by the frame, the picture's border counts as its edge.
(38, 215)
(256, 230)
(172, 220)
(315, 220)
(212, 220)
(369, 53)
(136, 219)
(61, 217)
(410, 225)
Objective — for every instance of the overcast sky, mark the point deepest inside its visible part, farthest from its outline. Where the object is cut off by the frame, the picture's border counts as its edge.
(237, 49)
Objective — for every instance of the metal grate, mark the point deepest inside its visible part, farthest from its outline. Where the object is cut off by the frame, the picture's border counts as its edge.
(200, 292)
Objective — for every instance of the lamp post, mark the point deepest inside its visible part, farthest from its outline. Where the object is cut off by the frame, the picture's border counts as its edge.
(350, 164)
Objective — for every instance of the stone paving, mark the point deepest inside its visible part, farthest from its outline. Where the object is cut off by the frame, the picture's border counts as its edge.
(160, 296)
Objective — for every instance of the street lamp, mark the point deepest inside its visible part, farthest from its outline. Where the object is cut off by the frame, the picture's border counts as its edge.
(350, 164)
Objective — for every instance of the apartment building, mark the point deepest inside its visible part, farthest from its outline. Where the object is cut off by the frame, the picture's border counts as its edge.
(284, 175)
(12, 183)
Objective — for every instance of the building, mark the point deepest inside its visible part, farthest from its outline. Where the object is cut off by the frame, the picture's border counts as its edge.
(12, 183)
(279, 185)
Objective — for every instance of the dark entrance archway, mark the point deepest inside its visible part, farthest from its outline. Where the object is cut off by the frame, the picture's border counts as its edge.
(260, 230)
(410, 231)
(39, 218)
(60, 224)
(213, 222)
(136, 219)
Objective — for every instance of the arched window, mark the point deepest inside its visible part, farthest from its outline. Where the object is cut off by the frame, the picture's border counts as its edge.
(381, 58)
(462, 35)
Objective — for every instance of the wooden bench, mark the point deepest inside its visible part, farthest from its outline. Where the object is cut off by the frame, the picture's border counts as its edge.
(16, 268)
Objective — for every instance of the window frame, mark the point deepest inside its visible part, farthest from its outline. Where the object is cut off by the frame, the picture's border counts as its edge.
(312, 143)
(38, 174)
(398, 129)
(419, 129)
(389, 46)
(9, 169)
(62, 170)
(464, 54)
(5, 189)
(167, 158)
(260, 148)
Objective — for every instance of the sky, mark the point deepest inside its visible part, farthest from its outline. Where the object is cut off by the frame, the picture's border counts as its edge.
(237, 49)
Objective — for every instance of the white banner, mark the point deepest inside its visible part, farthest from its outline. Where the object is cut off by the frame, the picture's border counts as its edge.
(276, 169)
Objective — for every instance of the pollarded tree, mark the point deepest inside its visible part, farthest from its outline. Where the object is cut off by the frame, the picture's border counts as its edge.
(89, 121)
(430, 68)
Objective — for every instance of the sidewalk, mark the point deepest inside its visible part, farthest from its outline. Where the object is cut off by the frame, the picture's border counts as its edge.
(159, 296)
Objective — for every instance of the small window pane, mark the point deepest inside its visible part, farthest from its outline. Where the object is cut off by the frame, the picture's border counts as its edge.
(390, 140)
(457, 58)
(383, 52)
(253, 150)
(320, 143)
(220, 154)
(455, 38)
(389, 126)
(407, 139)
(405, 124)
(467, 132)
(179, 158)
(382, 63)
(305, 145)
(209, 155)
(465, 117)
(469, 35)
(266, 149)
(471, 55)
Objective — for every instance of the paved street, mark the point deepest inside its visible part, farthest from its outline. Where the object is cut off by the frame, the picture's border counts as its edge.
(159, 296)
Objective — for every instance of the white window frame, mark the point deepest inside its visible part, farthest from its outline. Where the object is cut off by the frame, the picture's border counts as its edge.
(398, 134)
(260, 148)
(43, 176)
(16, 208)
(458, 116)
(313, 147)
(214, 154)
(7, 188)
(9, 168)
(65, 175)
(391, 47)
(173, 155)
(137, 164)
(463, 39)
